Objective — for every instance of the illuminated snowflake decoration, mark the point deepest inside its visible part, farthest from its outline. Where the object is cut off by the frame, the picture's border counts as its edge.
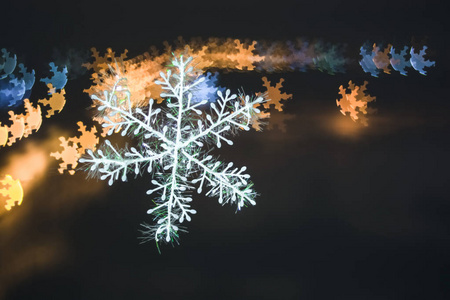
(171, 142)
(418, 61)
(59, 78)
(399, 61)
(367, 62)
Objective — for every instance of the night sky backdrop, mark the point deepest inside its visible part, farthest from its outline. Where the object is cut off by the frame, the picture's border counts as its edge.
(344, 212)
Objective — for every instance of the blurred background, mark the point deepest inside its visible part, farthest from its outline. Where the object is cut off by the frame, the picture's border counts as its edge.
(345, 211)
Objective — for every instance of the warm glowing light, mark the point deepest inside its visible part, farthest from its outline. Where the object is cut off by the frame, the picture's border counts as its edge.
(32, 118)
(381, 58)
(74, 147)
(56, 100)
(136, 79)
(87, 140)
(12, 190)
(69, 156)
(22, 125)
(274, 94)
(3, 135)
(17, 128)
(28, 166)
(355, 102)
(142, 71)
(342, 126)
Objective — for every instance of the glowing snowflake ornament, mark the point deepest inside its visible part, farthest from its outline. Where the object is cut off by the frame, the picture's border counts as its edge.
(171, 142)
(418, 61)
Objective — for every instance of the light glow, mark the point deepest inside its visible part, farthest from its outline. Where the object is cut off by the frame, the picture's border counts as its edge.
(12, 190)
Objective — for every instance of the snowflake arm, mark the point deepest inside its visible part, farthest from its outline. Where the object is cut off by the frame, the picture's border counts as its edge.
(230, 185)
(178, 90)
(127, 120)
(113, 164)
(224, 120)
(180, 86)
(172, 207)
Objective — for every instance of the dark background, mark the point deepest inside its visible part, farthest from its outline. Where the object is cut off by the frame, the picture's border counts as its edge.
(341, 215)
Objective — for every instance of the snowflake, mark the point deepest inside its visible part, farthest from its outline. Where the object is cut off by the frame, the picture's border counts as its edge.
(7, 63)
(74, 147)
(12, 90)
(3, 135)
(170, 147)
(17, 128)
(28, 77)
(223, 54)
(69, 156)
(381, 58)
(245, 58)
(355, 102)
(59, 78)
(418, 61)
(56, 100)
(274, 94)
(102, 63)
(399, 62)
(12, 190)
(32, 118)
(367, 62)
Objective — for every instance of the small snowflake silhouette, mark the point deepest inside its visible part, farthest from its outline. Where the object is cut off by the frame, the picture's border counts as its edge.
(418, 60)
(171, 141)
(355, 102)
(399, 62)
(59, 78)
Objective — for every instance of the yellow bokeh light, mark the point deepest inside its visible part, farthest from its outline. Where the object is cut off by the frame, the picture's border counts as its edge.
(3, 135)
(12, 190)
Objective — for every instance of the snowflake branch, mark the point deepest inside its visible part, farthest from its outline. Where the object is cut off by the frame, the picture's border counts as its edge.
(172, 211)
(112, 165)
(225, 117)
(110, 103)
(229, 185)
(175, 203)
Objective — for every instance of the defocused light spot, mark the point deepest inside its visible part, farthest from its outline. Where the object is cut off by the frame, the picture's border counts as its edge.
(418, 61)
(12, 190)
(354, 101)
(56, 100)
(74, 147)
